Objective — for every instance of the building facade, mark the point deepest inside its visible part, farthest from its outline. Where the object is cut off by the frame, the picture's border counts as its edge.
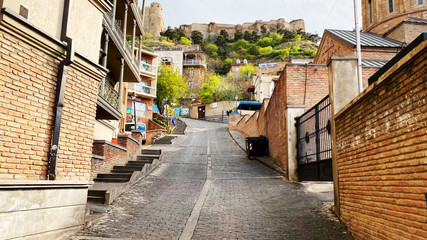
(49, 85)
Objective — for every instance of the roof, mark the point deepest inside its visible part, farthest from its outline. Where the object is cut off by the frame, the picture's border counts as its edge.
(249, 106)
(415, 20)
(373, 63)
(366, 39)
(275, 79)
(420, 39)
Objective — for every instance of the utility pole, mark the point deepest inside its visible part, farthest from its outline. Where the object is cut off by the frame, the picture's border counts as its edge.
(358, 50)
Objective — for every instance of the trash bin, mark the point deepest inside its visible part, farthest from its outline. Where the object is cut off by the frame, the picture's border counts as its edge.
(256, 146)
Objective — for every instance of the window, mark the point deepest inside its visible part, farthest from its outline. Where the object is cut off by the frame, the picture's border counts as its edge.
(390, 6)
(370, 11)
(245, 61)
(420, 2)
(238, 61)
(190, 83)
(191, 71)
(237, 69)
(140, 109)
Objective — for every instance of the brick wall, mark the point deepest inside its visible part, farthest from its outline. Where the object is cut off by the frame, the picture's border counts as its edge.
(113, 154)
(233, 119)
(407, 32)
(381, 157)
(28, 82)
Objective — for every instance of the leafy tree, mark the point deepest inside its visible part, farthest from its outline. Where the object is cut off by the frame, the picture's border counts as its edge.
(241, 43)
(263, 31)
(171, 34)
(255, 37)
(224, 34)
(184, 41)
(211, 91)
(265, 42)
(238, 35)
(170, 86)
(247, 71)
(297, 38)
(147, 36)
(197, 37)
(211, 48)
(254, 50)
(225, 66)
(248, 36)
(287, 35)
(180, 33)
(266, 50)
(220, 41)
(276, 37)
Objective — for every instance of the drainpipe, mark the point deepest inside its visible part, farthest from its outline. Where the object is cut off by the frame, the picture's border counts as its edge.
(104, 63)
(60, 88)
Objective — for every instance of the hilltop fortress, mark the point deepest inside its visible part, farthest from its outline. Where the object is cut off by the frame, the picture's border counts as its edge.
(214, 28)
(153, 20)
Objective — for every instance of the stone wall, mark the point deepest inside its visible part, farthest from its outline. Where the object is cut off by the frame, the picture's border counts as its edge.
(214, 28)
(153, 20)
(381, 154)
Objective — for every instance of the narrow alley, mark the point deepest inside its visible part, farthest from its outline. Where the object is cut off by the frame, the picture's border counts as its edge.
(206, 188)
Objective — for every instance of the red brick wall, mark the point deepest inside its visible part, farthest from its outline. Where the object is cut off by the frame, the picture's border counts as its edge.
(113, 154)
(381, 154)
(379, 54)
(329, 47)
(27, 82)
(306, 84)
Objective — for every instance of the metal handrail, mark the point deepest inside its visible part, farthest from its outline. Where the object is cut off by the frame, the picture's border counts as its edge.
(195, 62)
(142, 89)
(110, 94)
(120, 36)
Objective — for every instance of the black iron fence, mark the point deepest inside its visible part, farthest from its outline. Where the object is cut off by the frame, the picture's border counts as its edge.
(314, 142)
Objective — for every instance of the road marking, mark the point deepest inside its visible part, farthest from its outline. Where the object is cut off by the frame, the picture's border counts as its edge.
(190, 226)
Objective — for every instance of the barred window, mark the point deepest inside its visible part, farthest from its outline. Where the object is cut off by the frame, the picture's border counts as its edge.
(390, 6)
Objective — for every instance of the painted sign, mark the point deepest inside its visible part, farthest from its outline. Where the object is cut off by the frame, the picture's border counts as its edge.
(176, 111)
(213, 105)
(129, 110)
(185, 111)
(170, 111)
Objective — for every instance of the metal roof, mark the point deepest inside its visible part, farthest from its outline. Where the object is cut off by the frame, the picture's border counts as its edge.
(415, 20)
(366, 39)
(373, 63)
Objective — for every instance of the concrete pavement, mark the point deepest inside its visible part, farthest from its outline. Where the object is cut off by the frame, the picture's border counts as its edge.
(206, 188)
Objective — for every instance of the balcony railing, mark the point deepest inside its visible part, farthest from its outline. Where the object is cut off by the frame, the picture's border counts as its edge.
(145, 67)
(142, 90)
(110, 95)
(194, 62)
(116, 27)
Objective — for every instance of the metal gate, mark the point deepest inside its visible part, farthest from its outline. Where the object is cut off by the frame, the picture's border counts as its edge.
(314, 143)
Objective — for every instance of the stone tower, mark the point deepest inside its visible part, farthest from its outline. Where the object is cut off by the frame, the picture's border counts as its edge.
(153, 20)
(380, 16)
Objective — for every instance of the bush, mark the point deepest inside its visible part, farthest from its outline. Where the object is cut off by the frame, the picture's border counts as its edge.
(160, 122)
(184, 41)
(266, 50)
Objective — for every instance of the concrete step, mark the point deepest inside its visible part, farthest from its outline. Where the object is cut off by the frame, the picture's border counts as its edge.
(114, 175)
(147, 157)
(95, 199)
(128, 168)
(96, 193)
(111, 180)
(137, 163)
(151, 151)
(131, 170)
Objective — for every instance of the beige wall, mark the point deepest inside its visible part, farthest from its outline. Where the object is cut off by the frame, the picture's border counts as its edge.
(85, 22)
(103, 132)
(177, 58)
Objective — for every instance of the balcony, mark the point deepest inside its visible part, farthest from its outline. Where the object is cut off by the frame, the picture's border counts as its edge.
(148, 70)
(142, 90)
(116, 34)
(194, 63)
(108, 103)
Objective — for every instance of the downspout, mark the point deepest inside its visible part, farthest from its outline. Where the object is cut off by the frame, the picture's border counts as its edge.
(60, 88)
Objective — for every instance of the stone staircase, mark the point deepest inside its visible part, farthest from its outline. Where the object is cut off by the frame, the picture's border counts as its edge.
(108, 186)
(180, 127)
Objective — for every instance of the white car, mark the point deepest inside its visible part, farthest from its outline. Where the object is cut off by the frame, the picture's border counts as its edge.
(129, 127)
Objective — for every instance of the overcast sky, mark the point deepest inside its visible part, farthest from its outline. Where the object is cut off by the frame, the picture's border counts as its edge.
(317, 14)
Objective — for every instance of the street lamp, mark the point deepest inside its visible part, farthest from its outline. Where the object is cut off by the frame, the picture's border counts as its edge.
(134, 108)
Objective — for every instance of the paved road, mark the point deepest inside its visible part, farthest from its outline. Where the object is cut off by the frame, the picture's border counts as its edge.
(206, 188)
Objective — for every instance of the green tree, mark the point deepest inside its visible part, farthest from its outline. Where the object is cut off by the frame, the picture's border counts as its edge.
(266, 50)
(254, 50)
(276, 37)
(241, 43)
(211, 48)
(171, 34)
(263, 31)
(184, 41)
(170, 86)
(248, 36)
(247, 71)
(265, 42)
(211, 91)
(238, 35)
(297, 38)
(197, 37)
(224, 34)
(220, 41)
(147, 36)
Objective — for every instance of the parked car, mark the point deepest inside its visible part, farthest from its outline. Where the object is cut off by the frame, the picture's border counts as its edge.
(129, 127)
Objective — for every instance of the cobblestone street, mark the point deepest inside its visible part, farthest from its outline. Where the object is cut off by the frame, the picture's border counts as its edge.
(206, 188)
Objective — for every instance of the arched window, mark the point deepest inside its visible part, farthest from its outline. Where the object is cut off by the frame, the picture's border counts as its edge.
(370, 11)
(390, 6)
(238, 61)
(420, 2)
